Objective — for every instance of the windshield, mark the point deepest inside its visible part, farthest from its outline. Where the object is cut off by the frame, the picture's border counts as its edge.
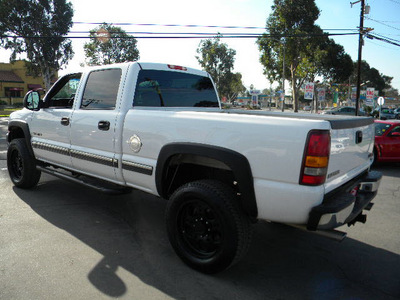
(174, 89)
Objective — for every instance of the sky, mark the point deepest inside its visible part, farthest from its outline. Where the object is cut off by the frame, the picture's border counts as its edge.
(384, 17)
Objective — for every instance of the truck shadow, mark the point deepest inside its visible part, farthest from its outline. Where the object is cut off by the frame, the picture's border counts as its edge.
(391, 169)
(283, 262)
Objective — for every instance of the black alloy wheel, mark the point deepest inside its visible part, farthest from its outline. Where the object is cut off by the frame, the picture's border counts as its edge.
(199, 228)
(206, 226)
(22, 165)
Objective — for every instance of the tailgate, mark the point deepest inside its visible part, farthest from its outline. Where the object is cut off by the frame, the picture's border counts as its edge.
(352, 142)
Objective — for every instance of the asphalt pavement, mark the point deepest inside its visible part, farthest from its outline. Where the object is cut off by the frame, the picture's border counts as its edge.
(63, 241)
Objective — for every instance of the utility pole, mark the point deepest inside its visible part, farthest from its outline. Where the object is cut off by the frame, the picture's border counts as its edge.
(360, 44)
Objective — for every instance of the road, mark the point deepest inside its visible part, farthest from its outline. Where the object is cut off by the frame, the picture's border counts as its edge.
(63, 241)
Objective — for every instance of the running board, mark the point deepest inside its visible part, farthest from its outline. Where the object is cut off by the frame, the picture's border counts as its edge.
(106, 187)
(332, 233)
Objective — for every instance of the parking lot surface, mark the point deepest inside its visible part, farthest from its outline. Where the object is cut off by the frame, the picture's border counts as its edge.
(64, 241)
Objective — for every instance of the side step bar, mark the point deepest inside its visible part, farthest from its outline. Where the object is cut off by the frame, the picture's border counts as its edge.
(97, 184)
(331, 233)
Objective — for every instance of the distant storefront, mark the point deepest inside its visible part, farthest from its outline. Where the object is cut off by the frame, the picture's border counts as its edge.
(15, 82)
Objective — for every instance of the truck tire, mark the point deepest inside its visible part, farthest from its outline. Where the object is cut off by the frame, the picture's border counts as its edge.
(22, 165)
(206, 226)
(375, 161)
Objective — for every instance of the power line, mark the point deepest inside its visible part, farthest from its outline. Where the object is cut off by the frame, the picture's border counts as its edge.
(380, 45)
(167, 33)
(187, 33)
(191, 25)
(193, 36)
(171, 25)
(382, 23)
(394, 1)
(383, 39)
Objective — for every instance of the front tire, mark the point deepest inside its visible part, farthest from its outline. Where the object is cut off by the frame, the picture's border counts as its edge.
(206, 226)
(22, 165)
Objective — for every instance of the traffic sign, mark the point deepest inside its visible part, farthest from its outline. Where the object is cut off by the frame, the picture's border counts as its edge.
(309, 91)
(381, 100)
(255, 92)
(370, 93)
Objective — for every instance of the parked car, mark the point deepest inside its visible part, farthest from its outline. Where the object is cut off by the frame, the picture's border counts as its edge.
(346, 110)
(388, 114)
(387, 141)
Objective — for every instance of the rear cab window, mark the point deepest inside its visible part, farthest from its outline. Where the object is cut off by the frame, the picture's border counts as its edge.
(157, 88)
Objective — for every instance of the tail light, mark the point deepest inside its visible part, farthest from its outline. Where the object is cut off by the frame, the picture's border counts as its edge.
(316, 158)
(173, 67)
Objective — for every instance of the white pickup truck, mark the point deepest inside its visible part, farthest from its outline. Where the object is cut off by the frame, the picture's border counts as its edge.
(160, 129)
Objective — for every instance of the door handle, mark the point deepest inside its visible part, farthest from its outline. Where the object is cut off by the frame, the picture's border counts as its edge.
(65, 121)
(104, 125)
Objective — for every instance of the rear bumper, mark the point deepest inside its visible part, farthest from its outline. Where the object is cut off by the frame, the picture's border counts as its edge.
(345, 205)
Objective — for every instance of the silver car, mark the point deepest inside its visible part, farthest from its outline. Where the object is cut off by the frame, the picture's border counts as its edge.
(346, 110)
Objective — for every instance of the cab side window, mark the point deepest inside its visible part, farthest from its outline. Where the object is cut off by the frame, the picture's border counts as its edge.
(63, 93)
(396, 129)
(101, 89)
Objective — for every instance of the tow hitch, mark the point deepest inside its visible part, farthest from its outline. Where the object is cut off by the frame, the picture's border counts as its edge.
(360, 218)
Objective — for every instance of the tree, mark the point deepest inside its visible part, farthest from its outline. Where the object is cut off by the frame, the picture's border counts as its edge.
(336, 65)
(371, 77)
(288, 20)
(38, 28)
(389, 91)
(218, 60)
(110, 44)
(294, 38)
(232, 86)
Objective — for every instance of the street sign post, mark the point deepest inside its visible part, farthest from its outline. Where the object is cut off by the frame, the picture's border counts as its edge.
(309, 91)
(321, 94)
(254, 97)
(369, 99)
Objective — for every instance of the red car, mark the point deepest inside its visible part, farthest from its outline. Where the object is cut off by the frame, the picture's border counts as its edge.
(387, 141)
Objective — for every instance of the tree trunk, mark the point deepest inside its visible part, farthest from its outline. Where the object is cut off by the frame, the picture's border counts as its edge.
(47, 79)
(294, 90)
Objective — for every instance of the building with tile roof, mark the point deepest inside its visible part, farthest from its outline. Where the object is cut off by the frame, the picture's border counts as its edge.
(15, 82)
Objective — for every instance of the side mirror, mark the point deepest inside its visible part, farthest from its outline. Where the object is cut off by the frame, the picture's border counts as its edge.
(395, 134)
(32, 100)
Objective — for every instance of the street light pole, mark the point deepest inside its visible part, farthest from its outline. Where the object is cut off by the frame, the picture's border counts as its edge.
(360, 44)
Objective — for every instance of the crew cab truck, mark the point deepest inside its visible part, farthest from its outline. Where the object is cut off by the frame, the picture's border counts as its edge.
(160, 129)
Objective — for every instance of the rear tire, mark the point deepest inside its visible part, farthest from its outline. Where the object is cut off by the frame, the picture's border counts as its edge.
(206, 226)
(375, 161)
(21, 165)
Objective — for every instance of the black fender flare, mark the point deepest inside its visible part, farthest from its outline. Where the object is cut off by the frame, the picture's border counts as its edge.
(25, 129)
(237, 162)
